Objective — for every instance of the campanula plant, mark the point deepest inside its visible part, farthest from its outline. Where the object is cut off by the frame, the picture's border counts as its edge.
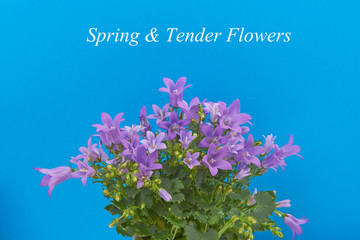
(186, 178)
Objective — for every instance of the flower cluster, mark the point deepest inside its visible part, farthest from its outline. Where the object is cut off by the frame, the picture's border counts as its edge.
(189, 179)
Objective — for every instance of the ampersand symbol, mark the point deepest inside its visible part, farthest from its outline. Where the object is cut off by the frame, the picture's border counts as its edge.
(152, 35)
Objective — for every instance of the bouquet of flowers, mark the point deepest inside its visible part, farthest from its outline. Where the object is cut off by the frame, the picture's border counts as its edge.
(189, 179)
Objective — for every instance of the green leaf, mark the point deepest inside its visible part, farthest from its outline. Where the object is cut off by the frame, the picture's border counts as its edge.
(177, 185)
(201, 216)
(113, 209)
(265, 205)
(145, 197)
(131, 192)
(192, 233)
(176, 221)
(177, 197)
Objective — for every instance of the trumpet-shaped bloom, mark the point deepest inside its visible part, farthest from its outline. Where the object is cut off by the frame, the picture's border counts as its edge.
(191, 159)
(231, 118)
(243, 172)
(269, 143)
(54, 176)
(142, 177)
(277, 158)
(147, 162)
(165, 195)
(248, 153)
(84, 171)
(174, 126)
(190, 112)
(251, 200)
(109, 132)
(212, 137)
(294, 224)
(214, 160)
(175, 91)
(144, 122)
(283, 203)
(154, 143)
(159, 113)
(186, 138)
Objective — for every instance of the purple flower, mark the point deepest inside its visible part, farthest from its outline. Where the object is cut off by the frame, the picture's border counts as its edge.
(109, 133)
(153, 143)
(174, 126)
(130, 147)
(269, 143)
(277, 158)
(84, 171)
(95, 154)
(248, 153)
(243, 172)
(54, 176)
(214, 160)
(231, 118)
(294, 224)
(144, 123)
(186, 138)
(142, 177)
(128, 132)
(160, 114)
(213, 109)
(147, 162)
(191, 159)
(233, 145)
(289, 149)
(251, 200)
(212, 137)
(175, 91)
(283, 203)
(165, 195)
(190, 112)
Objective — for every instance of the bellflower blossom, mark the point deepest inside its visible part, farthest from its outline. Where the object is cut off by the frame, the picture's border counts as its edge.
(154, 143)
(175, 90)
(248, 153)
(190, 112)
(160, 114)
(212, 137)
(165, 195)
(214, 160)
(294, 224)
(54, 176)
(283, 204)
(174, 126)
(84, 171)
(144, 122)
(147, 162)
(243, 172)
(109, 132)
(186, 138)
(191, 159)
(231, 118)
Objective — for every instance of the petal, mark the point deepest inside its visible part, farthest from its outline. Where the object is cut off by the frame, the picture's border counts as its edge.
(222, 164)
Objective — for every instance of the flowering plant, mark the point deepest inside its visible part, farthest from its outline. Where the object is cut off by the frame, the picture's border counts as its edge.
(188, 180)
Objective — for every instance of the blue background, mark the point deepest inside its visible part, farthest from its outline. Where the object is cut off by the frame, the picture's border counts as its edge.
(54, 85)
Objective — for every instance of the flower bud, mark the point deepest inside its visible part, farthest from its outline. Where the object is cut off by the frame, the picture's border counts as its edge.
(176, 153)
(107, 175)
(158, 181)
(136, 165)
(113, 223)
(134, 178)
(229, 191)
(106, 192)
(142, 205)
